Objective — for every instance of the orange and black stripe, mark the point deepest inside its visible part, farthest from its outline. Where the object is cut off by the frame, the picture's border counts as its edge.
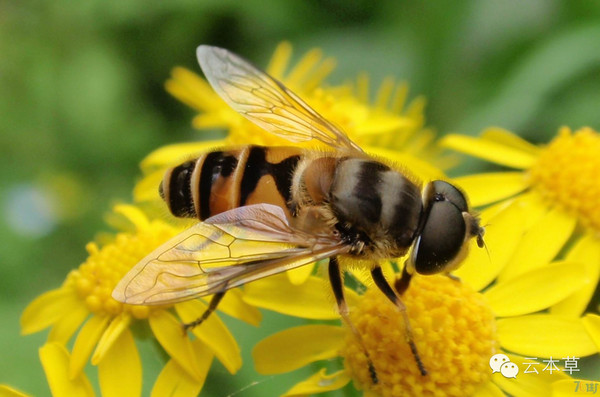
(218, 181)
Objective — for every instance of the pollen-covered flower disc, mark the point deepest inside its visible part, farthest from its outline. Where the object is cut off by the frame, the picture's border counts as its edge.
(454, 330)
(96, 278)
(566, 172)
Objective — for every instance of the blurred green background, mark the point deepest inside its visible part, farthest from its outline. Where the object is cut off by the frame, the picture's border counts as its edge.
(82, 102)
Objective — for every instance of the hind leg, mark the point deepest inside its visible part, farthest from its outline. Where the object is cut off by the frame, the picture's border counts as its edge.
(212, 306)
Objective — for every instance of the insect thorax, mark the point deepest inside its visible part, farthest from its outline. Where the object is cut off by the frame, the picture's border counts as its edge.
(376, 207)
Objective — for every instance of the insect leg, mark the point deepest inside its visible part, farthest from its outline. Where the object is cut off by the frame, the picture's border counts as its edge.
(383, 285)
(214, 302)
(402, 282)
(337, 285)
(453, 277)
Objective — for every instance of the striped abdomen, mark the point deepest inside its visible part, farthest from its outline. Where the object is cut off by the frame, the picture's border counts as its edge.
(218, 181)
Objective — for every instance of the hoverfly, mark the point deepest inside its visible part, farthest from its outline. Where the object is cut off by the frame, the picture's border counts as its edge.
(265, 210)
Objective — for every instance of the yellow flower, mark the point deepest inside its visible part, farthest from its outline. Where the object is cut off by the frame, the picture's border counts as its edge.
(105, 339)
(380, 127)
(548, 205)
(457, 332)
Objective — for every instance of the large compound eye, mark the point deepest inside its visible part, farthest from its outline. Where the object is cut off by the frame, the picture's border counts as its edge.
(441, 239)
(443, 233)
(443, 191)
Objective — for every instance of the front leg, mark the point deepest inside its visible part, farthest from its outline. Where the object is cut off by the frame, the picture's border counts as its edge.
(453, 277)
(401, 284)
(337, 285)
(387, 290)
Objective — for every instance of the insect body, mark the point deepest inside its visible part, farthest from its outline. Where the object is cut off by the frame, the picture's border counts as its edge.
(265, 210)
(372, 208)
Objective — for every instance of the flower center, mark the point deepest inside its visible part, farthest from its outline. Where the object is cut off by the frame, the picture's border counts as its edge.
(454, 331)
(567, 173)
(96, 278)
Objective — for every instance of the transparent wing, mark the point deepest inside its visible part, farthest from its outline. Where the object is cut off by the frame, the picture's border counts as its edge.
(223, 252)
(265, 101)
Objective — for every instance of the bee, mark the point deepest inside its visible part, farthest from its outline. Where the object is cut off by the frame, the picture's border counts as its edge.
(265, 210)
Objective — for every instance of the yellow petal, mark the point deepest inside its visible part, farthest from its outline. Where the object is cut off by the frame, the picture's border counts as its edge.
(362, 89)
(383, 124)
(295, 347)
(7, 391)
(318, 74)
(133, 214)
(384, 92)
(279, 60)
(171, 336)
(398, 99)
(540, 244)
(213, 332)
(534, 206)
(530, 384)
(536, 290)
(423, 141)
(47, 309)
(299, 72)
(64, 328)
(495, 152)
(587, 252)
(574, 388)
(299, 275)
(192, 90)
(503, 232)
(591, 322)
(503, 136)
(320, 383)
(175, 382)
(415, 108)
(214, 120)
(491, 187)
(86, 341)
(120, 369)
(173, 154)
(55, 360)
(489, 389)
(310, 300)
(234, 305)
(112, 333)
(204, 357)
(147, 188)
(543, 335)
